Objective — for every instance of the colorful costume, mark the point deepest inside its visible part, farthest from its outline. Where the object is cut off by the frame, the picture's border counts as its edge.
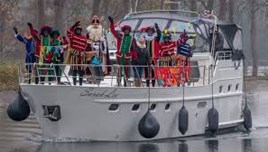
(29, 43)
(78, 44)
(184, 53)
(42, 41)
(125, 50)
(167, 50)
(56, 53)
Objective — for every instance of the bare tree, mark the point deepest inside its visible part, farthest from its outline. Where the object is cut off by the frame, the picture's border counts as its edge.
(58, 20)
(231, 10)
(126, 4)
(192, 5)
(223, 9)
(96, 6)
(208, 5)
(7, 19)
(40, 12)
(253, 38)
(162, 4)
(174, 5)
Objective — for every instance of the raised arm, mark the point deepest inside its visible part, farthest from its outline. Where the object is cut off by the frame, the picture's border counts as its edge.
(70, 31)
(158, 32)
(18, 36)
(116, 34)
(33, 33)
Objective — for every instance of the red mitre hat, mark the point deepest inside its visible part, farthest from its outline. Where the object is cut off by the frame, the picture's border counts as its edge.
(95, 20)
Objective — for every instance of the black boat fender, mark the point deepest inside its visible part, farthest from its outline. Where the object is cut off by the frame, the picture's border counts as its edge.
(213, 120)
(148, 126)
(19, 109)
(247, 123)
(183, 120)
(183, 115)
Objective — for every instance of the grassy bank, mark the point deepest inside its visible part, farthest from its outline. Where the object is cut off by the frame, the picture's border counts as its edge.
(8, 76)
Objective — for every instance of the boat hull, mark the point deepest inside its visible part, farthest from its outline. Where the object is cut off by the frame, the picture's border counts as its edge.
(85, 113)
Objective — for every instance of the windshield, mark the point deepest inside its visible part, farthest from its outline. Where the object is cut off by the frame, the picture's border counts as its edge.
(199, 33)
(111, 40)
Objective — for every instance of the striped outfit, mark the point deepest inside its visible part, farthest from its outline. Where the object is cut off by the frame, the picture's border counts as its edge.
(78, 44)
(167, 52)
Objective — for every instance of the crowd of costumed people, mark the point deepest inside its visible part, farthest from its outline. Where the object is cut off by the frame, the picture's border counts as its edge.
(153, 54)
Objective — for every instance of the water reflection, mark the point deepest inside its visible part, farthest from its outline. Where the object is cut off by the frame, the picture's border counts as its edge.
(183, 147)
(247, 145)
(98, 147)
(212, 145)
(148, 148)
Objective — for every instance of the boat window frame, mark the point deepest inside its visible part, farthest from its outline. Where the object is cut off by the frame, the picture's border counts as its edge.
(237, 87)
(137, 109)
(167, 107)
(221, 89)
(229, 88)
(114, 110)
(153, 107)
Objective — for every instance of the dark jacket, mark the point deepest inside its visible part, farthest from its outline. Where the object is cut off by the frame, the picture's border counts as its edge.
(143, 57)
(30, 48)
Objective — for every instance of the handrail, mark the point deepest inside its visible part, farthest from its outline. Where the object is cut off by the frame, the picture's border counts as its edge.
(223, 55)
(203, 78)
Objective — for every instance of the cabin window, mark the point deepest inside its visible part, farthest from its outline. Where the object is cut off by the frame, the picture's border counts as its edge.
(135, 107)
(229, 87)
(220, 89)
(113, 107)
(237, 86)
(167, 107)
(153, 106)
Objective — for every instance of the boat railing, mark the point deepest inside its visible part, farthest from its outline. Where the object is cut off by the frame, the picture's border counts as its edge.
(223, 55)
(98, 75)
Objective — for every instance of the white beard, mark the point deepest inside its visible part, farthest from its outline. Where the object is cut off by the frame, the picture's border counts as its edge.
(95, 33)
(149, 38)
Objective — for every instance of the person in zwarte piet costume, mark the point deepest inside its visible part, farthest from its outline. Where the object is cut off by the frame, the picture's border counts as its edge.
(29, 43)
(184, 53)
(125, 50)
(42, 41)
(78, 44)
(56, 53)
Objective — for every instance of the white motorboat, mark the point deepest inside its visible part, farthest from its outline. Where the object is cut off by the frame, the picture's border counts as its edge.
(103, 111)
